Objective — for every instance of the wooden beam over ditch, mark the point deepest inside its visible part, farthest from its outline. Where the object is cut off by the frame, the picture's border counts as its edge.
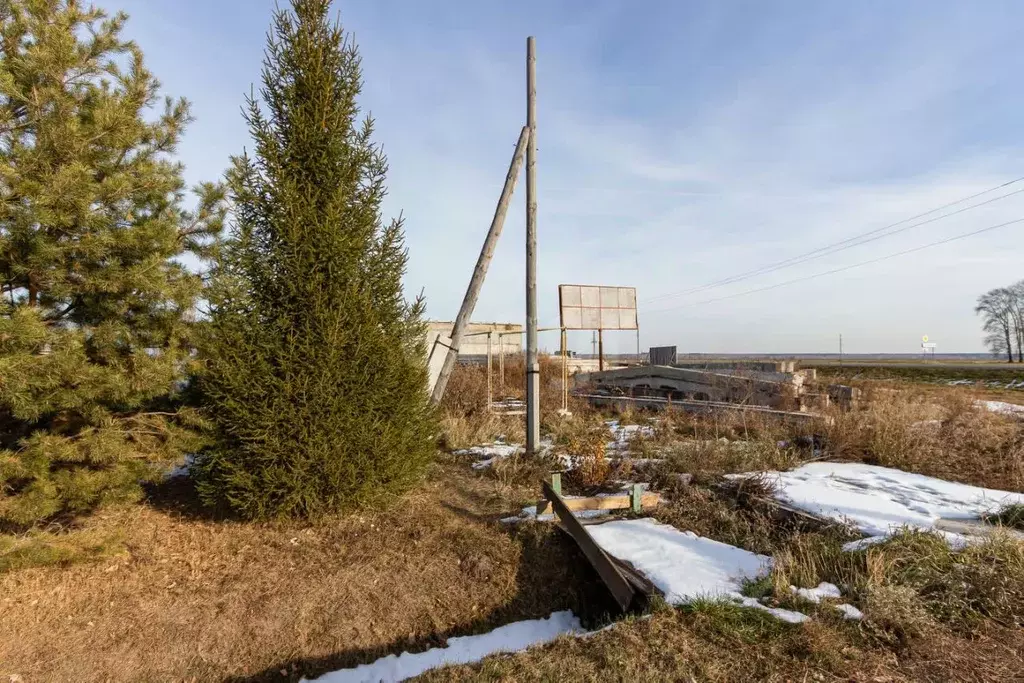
(621, 589)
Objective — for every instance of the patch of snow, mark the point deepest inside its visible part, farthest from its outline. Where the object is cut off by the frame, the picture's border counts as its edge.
(849, 611)
(879, 501)
(488, 454)
(509, 404)
(529, 513)
(512, 637)
(786, 615)
(182, 470)
(684, 566)
(681, 564)
(862, 543)
(824, 590)
(1001, 407)
(622, 434)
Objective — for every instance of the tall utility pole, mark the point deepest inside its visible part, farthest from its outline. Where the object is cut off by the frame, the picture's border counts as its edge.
(532, 365)
(840, 348)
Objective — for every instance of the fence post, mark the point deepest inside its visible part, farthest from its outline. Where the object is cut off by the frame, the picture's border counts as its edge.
(490, 393)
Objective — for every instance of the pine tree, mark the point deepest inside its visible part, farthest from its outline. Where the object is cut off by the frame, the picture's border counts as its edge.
(315, 370)
(95, 331)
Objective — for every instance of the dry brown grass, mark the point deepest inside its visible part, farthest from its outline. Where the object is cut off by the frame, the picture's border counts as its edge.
(175, 596)
(712, 642)
(930, 614)
(50, 547)
(464, 416)
(462, 431)
(717, 642)
(935, 432)
(198, 599)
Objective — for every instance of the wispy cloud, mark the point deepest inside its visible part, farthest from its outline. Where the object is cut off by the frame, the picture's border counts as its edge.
(679, 143)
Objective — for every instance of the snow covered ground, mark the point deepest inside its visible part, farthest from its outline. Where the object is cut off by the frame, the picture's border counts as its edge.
(994, 383)
(681, 564)
(182, 470)
(622, 434)
(1001, 407)
(879, 500)
(687, 567)
(461, 650)
(488, 454)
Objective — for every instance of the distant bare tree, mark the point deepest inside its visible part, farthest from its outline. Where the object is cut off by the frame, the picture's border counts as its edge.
(997, 308)
(1016, 291)
(996, 343)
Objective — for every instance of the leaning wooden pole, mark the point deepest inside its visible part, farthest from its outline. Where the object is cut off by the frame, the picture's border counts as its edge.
(532, 364)
(482, 262)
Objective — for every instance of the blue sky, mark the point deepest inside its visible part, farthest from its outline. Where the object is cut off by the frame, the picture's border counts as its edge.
(679, 143)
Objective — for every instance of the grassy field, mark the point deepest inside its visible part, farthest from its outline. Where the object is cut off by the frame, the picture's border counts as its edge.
(162, 591)
(925, 371)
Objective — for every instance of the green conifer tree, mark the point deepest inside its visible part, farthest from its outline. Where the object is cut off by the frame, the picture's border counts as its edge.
(315, 363)
(96, 309)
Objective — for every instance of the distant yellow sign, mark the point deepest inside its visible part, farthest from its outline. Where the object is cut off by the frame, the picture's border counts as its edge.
(925, 339)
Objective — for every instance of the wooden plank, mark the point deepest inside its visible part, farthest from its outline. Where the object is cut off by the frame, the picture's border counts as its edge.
(639, 582)
(620, 588)
(603, 502)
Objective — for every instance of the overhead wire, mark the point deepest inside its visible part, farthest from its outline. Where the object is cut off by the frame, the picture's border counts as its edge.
(854, 241)
(842, 268)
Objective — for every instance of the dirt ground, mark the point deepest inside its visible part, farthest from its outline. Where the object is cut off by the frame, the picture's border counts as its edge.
(194, 599)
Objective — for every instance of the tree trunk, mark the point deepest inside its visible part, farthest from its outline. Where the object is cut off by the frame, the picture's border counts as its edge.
(1018, 333)
(1009, 345)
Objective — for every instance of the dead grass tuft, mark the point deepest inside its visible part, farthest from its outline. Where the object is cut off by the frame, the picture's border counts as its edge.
(587, 451)
(465, 420)
(463, 431)
(896, 615)
(737, 513)
(1011, 516)
(518, 472)
(959, 588)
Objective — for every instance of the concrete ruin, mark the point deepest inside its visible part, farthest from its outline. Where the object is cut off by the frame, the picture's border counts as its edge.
(507, 337)
(773, 386)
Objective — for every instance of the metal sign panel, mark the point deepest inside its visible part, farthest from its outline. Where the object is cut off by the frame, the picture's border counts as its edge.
(592, 307)
(662, 355)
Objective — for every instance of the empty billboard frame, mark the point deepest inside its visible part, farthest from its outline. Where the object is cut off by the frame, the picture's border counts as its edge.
(596, 307)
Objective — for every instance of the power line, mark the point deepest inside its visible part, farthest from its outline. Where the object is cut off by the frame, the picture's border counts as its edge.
(853, 241)
(843, 268)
